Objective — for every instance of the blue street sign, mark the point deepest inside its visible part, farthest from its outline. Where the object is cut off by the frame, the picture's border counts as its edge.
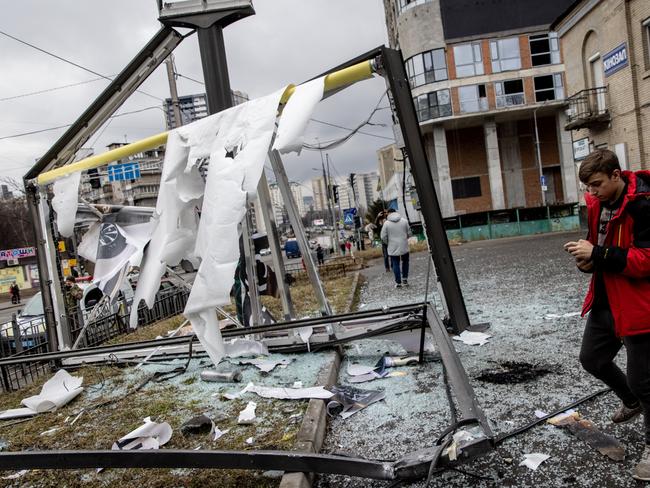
(543, 180)
(349, 214)
(124, 171)
(615, 60)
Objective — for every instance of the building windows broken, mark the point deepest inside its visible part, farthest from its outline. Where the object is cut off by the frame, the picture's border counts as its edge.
(549, 87)
(544, 49)
(472, 98)
(509, 93)
(505, 54)
(433, 105)
(469, 60)
(466, 187)
(403, 5)
(426, 67)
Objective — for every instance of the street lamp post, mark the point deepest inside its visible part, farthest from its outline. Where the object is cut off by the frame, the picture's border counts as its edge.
(542, 185)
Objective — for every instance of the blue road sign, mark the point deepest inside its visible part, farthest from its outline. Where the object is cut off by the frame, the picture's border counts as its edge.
(349, 214)
(615, 60)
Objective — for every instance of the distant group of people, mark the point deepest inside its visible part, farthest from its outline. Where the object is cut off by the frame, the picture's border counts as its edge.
(14, 291)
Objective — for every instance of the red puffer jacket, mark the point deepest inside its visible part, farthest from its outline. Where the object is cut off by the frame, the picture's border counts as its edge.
(624, 259)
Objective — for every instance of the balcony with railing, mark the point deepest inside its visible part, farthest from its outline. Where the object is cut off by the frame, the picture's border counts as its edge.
(587, 109)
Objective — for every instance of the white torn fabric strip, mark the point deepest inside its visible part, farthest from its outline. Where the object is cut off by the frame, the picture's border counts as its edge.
(247, 416)
(533, 460)
(290, 393)
(65, 202)
(472, 338)
(150, 435)
(296, 114)
(267, 365)
(56, 392)
(17, 413)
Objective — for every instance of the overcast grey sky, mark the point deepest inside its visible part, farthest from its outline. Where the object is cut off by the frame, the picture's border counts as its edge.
(287, 41)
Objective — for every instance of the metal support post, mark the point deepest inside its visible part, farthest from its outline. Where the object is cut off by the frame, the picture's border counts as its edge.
(43, 268)
(169, 63)
(330, 205)
(274, 242)
(296, 223)
(434, 228)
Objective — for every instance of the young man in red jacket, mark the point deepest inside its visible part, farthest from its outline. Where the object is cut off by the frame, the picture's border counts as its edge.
(617, 252)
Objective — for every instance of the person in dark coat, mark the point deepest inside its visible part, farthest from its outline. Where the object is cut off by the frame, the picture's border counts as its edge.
(320, 255)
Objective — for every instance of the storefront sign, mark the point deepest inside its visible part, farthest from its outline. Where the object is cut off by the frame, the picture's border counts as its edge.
(23, 252)
(581, 148)
(615, 60)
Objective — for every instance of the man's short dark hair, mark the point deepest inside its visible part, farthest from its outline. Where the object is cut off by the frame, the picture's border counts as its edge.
(599, 161)
(70, 279)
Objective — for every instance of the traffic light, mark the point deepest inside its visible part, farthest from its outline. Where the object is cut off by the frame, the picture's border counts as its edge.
(357, 222)
(335, 191)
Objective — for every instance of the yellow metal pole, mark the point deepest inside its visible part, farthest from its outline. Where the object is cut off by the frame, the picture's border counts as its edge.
(333, 81)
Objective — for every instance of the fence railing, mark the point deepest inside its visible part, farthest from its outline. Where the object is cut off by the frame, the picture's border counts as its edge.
(587, 107)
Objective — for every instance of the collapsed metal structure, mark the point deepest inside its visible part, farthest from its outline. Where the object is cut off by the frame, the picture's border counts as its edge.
(415, 320)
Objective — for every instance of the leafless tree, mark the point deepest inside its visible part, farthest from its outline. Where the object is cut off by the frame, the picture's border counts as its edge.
(16, 228)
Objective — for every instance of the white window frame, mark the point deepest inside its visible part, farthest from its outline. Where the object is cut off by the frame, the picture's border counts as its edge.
(478, 104)
(498, 58)
(425, 76)
(477, 57)
(504, 100)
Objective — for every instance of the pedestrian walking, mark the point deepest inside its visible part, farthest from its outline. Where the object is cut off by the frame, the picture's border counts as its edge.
(395, 233)
(348, 247)
(320, 255)
(379, 224)
(14, 290)
(342, 246)
(72, 295)
(617, 254)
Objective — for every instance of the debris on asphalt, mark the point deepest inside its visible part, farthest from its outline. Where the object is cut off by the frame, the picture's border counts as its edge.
(150, 435)
(55, 393)
(586, 431)
(16, 475)
(533, 460)
(221, 376)
(200, 424)
(218, 433)
(244, 347)
(348, 400)
(282, 393)
(472, 338)
(250, 441)
(247, 416)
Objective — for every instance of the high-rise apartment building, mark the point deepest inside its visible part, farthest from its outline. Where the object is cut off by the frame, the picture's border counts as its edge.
(488, 83)
(194, 107)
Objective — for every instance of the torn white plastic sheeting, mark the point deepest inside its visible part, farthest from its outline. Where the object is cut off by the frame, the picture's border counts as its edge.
(296, 114)
(150, 435)
(17, 413)
(247, 416)
(56, 392)
(472, 338)
(65, 202)
(540, 414)
(360, 369)
(267, 365)
(305, 334)
(533, 460)
(289, 393)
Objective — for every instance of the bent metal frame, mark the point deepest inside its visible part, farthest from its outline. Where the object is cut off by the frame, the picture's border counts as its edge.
(411, 466)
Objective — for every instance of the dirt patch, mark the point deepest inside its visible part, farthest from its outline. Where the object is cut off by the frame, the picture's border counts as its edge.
(513, 372)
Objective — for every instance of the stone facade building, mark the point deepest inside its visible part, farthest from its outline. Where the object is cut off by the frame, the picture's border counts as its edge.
(606, 47)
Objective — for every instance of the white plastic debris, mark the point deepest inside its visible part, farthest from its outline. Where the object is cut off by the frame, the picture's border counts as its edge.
(247, 416)
(245, 347)
(250, 441)
(553, 316)
(360, 369)
(472, 338)
(533, 460)
(290, 393)
(540, 414)
(16, 475)
(65, 202)
(219, 433)
(267, 365)
(150, 435)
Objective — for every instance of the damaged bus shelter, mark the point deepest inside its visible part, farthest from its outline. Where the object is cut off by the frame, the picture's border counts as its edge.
(409, 324)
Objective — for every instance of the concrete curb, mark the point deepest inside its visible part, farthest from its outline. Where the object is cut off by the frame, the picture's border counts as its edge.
(311, 435)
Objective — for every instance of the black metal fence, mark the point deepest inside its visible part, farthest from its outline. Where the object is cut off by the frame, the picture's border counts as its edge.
(31, 337)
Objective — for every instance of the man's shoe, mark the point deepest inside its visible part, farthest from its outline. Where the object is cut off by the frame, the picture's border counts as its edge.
(625, 414)
(642, 470)
(405, 282)
(398, 285)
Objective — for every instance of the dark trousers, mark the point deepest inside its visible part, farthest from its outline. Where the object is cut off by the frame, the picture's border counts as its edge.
(599, 348)
(394, 261)
(384, 250)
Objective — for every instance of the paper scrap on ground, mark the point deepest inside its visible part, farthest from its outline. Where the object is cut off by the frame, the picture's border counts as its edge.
(16, 475)
(17, 413)
(56, 392)
(250, 441)
(296, 114)
(374, 375)
(65, 202)
(219, 433)
(540, 414)
(247, 416)
(290, 393)
(472, 338)
(348, 400)
(150, 435)
(533, 460)
(267, 365)
(359, 369)
(553, 316)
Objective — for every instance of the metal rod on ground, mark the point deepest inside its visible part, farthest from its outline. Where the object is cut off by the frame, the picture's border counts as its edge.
(268, 216)
(155, 351)
(296, 223)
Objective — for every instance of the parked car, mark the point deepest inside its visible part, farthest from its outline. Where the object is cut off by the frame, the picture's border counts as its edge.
(291, 249)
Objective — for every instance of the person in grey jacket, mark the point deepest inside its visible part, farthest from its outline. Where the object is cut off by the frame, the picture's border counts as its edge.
(395, 234)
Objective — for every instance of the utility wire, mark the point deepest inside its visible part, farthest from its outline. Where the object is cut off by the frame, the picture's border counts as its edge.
(70, 62)
(68, 125)
(23, 95)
